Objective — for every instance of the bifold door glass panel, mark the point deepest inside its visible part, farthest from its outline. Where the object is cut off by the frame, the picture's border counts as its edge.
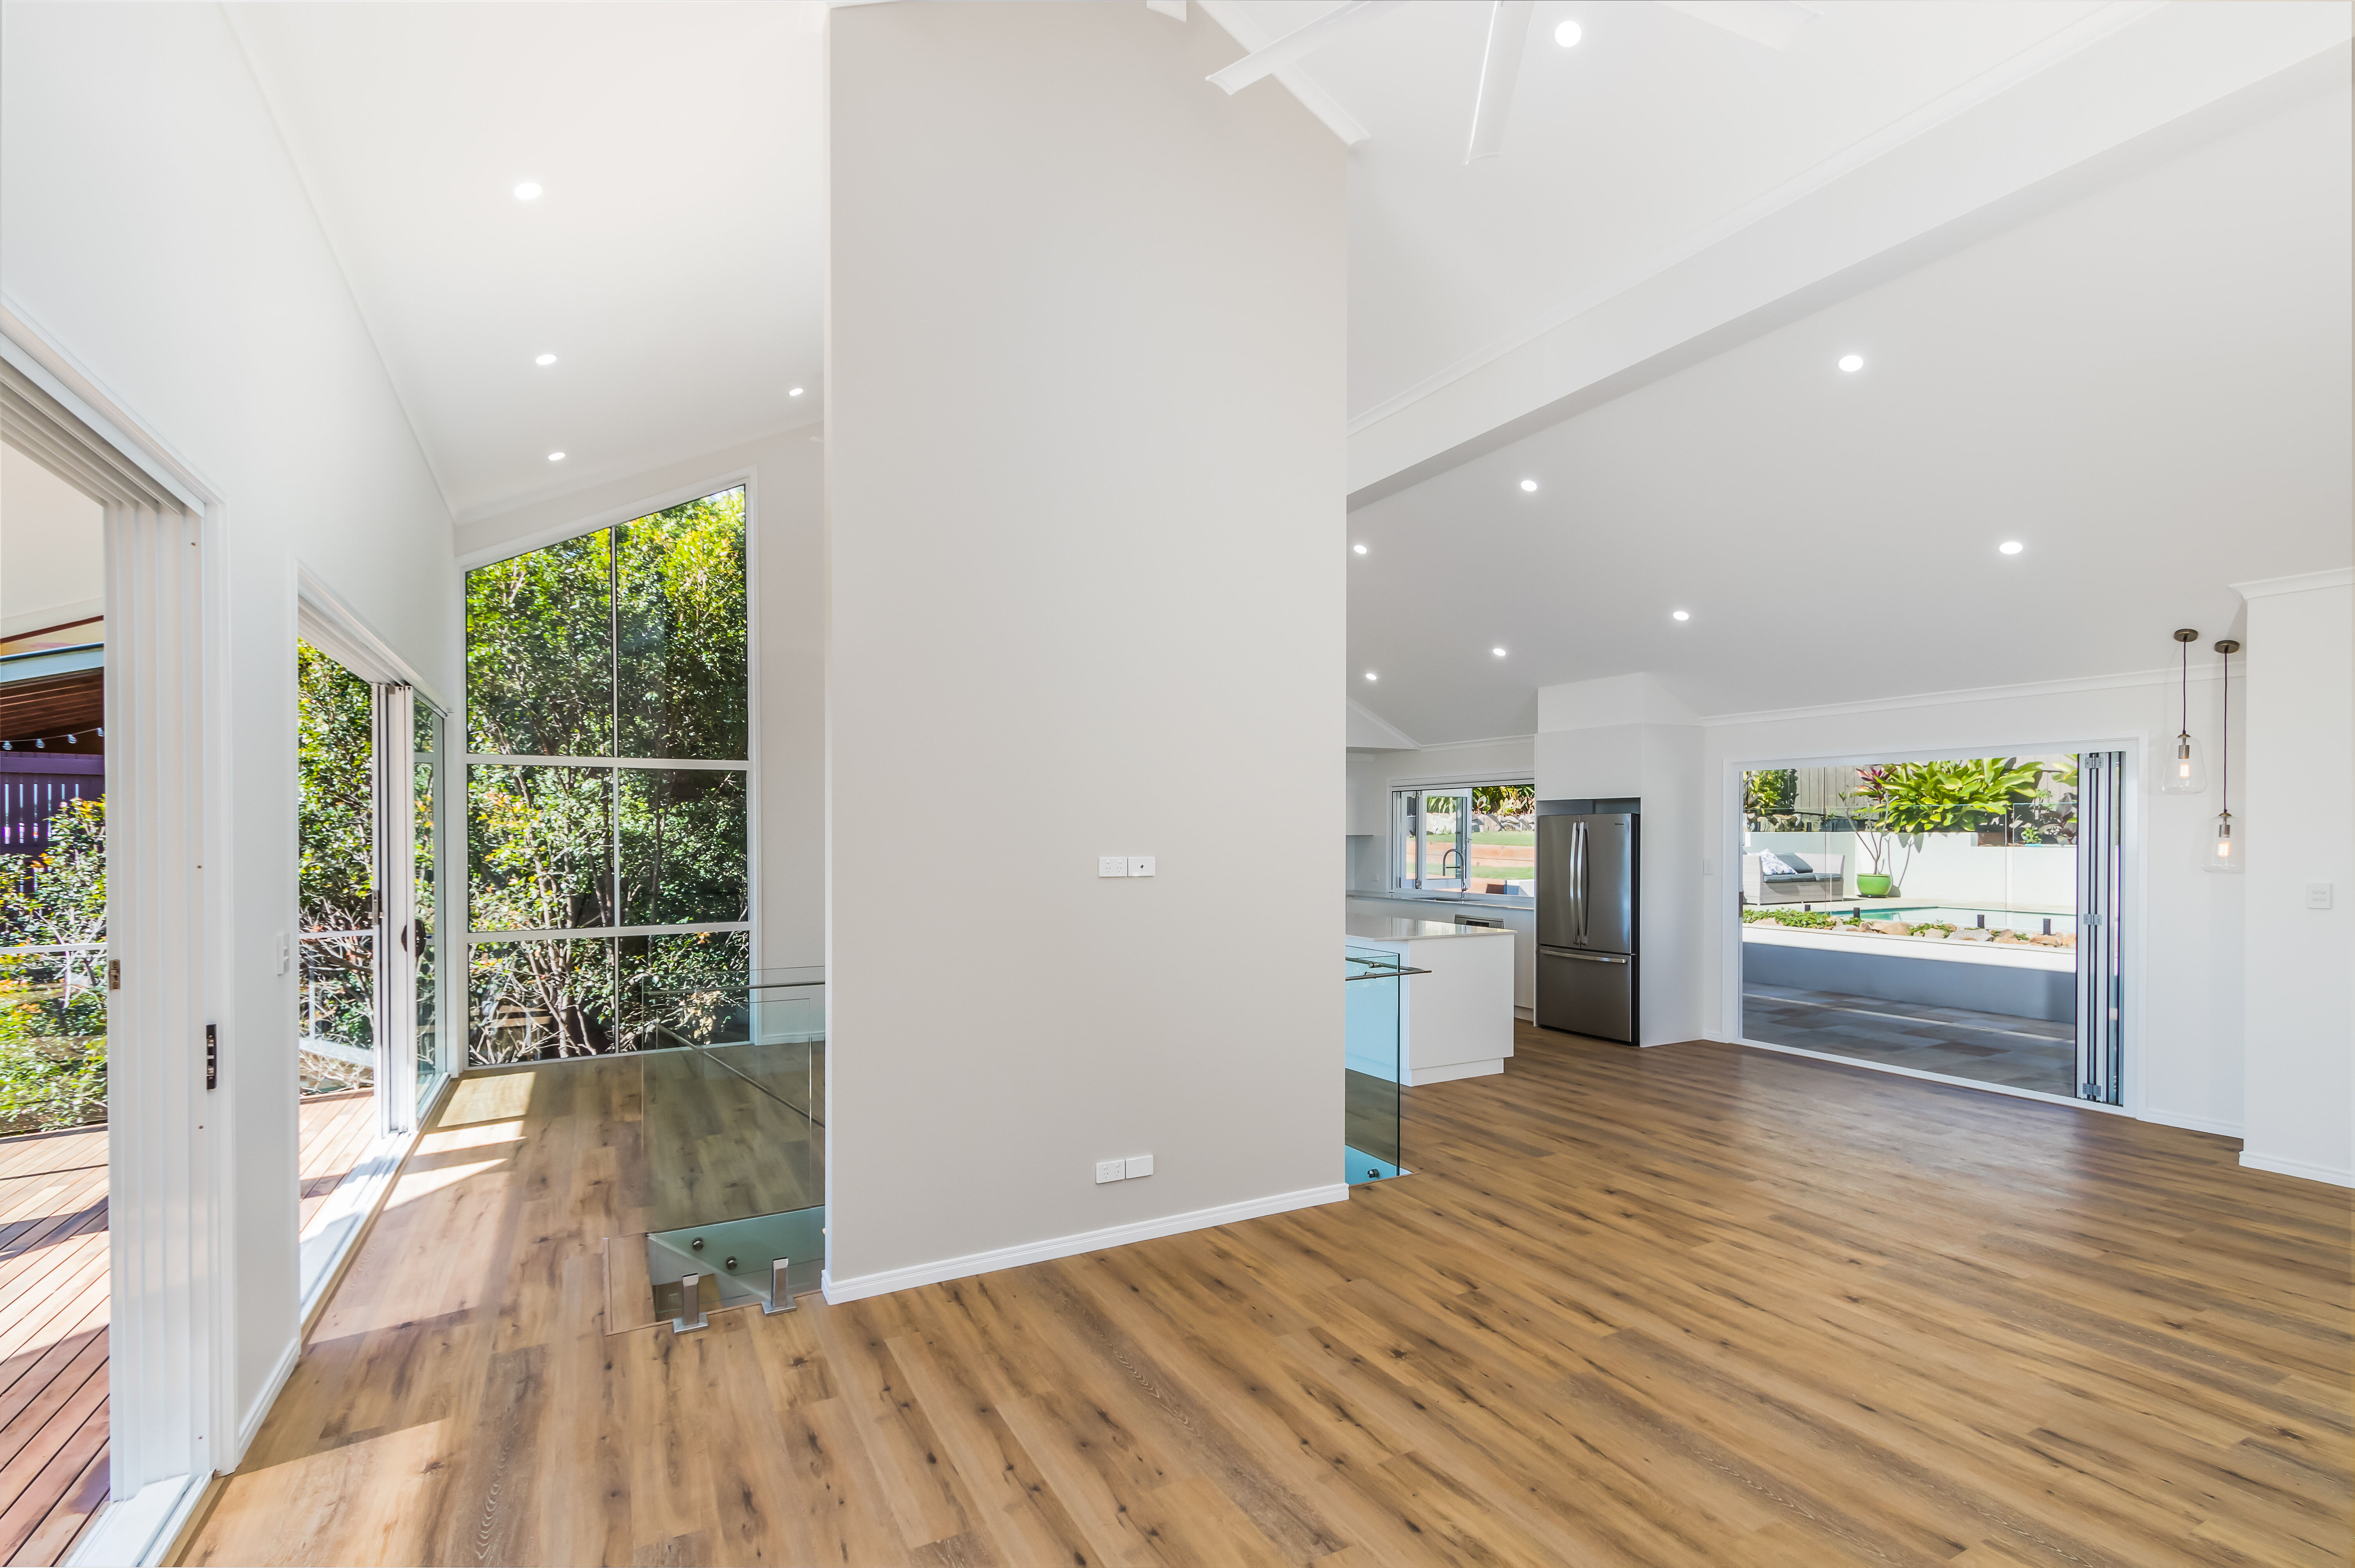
(1952, 916)
(1480, 839)
(628, 646)
(2101, 856)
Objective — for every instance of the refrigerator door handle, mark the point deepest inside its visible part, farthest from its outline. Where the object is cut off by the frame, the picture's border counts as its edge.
(1588, 957)
(1585, 881)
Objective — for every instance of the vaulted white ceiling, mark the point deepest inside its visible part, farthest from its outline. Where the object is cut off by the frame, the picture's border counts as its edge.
(1655, 126)
(2149, 388)
(673, 262)
(1636, 299)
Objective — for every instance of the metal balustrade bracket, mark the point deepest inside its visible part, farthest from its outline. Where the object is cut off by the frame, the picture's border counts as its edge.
(690, 1299)
(781, 1289)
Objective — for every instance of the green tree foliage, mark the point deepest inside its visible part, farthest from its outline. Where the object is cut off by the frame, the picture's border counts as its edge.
(539, 652)
(1504, 800)
(1902, 803)
(53, 1005)
(631, 642)
(1768, 797)
(679, 614)
(1913, 799)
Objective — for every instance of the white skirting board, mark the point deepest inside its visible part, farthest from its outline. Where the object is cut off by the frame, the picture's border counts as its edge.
(890, 1280)
(1414, 1076)
(2190, 1123)
(2299, 1168)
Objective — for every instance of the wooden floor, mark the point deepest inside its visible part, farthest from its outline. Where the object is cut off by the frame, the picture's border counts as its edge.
(1696, 1304)
(53, 1314)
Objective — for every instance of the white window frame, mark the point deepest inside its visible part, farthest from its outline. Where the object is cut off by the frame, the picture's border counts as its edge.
(469, 937)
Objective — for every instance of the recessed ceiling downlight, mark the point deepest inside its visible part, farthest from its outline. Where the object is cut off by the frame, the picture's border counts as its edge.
(527, 191)
(1529, 485)
(1498, 652)
(1359, 548)
(1680, 615)
(545, 359)
(795, 392)
(2011, 547)
(1568, 34)
(556, 457)
(1371, 676)
(1852, 362)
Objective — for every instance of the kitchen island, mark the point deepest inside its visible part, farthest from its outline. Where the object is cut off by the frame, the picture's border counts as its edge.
(1456, 1019)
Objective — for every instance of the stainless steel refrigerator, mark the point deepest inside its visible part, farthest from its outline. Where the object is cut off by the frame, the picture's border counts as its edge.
(1587, 920)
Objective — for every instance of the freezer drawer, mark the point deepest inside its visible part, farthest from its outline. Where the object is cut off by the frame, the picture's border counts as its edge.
(1587, 993)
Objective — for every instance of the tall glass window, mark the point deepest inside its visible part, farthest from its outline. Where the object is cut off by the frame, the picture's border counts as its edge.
(608, 799)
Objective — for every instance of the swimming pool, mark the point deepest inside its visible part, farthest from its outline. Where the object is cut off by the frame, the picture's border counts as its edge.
(2027, 923)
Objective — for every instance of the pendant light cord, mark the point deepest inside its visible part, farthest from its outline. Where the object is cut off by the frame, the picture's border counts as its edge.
(2185, 686)
(2224, 739)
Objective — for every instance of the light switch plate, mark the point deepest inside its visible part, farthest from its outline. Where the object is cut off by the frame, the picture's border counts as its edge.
(1112, 865)
(1140, 864)
(1109, 1170)
(1139, 1164)
(2318, 895)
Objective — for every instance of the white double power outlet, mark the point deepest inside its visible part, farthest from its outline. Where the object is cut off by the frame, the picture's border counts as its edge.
(1127, 1169)
(1123, 865)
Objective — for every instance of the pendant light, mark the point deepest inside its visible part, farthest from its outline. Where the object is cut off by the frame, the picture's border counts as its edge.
(2181, 768)
(2225, 854)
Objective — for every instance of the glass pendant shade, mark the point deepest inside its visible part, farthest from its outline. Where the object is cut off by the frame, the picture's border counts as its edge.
(2180, 766)
(2225, 854)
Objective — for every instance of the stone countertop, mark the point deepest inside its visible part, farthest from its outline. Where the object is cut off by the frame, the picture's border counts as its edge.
(1398, 928)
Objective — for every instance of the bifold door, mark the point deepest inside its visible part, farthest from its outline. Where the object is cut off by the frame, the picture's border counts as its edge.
(2101, 1004)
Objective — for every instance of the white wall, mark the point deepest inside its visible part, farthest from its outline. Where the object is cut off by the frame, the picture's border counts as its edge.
(163, 244)
(1086, 337)
(2184, 968)
(2291, 803)
(785, 475)
(1628, 736)
(52, 549)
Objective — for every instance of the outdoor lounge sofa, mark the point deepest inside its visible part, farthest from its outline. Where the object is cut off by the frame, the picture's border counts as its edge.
(1783, 877)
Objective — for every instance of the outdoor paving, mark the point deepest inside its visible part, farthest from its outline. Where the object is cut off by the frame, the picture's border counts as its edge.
(1989, 1048)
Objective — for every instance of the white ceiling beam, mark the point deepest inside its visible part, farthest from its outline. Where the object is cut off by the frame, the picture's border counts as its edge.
(2123, 89)
(1303, 41)
(1500, 72)
(1774, 22)
(1236, 20)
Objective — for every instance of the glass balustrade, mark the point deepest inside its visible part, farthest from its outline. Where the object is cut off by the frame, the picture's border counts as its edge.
(732, 1073)
(1373, 983)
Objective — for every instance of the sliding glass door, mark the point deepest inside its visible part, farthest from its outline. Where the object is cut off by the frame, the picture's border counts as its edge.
(366, 1010)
